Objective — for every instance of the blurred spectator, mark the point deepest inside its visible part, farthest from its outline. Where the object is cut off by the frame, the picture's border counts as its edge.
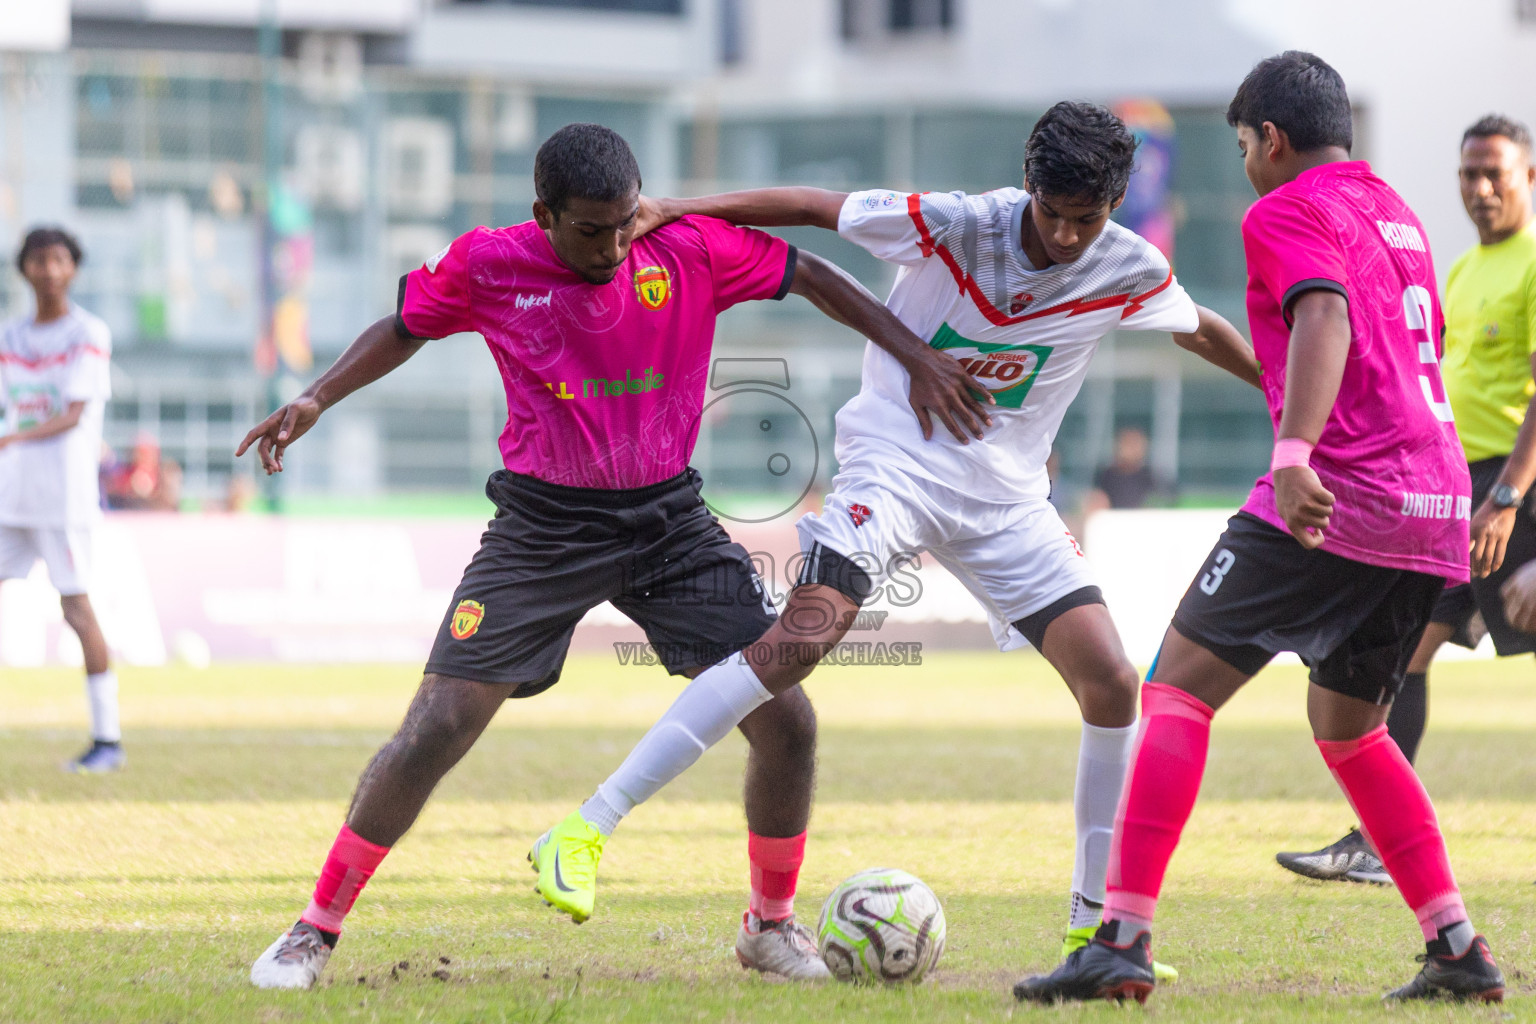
(241, 494)
(1127, 482)
(147, 482)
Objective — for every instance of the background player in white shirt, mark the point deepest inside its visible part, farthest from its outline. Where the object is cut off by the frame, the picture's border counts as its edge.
(1019, 285)
(56, 382)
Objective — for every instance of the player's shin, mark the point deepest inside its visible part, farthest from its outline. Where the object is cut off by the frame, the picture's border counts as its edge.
(1102, 758)
(703, 714)
(352, 861)
(1160, 792)
(1397, 817)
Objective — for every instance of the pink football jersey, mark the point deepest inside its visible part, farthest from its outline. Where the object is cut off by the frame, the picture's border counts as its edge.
(605, 382)
(1389, 454)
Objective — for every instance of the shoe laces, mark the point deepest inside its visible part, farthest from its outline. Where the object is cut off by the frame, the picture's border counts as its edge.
(300, 945)
(587, 845)
(795, 933)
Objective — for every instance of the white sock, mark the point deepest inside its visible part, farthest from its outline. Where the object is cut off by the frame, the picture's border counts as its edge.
(101, 694)
(1102, 758)
(599, 813)
(706, 710)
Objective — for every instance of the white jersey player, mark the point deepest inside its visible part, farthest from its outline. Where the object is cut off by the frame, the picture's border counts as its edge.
(54, 372)
(1019, 285)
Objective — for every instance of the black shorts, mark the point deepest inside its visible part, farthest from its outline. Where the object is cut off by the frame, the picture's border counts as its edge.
(1477, 608)
(553, 553)
(1354, 625)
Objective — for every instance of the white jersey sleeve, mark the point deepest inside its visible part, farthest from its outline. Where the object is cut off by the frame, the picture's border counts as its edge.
(1159, 303)
(901, 227)
(88, 376)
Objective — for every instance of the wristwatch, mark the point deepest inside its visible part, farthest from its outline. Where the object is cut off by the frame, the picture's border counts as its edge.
(1505, 496)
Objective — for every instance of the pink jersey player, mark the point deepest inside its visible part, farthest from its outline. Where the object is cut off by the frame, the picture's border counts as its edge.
(603, 344)
(604, 382)
(1389, 452)
(1341, 552)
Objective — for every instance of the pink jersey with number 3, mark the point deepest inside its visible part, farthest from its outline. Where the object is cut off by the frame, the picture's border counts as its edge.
(1389, 454)
(605, 382)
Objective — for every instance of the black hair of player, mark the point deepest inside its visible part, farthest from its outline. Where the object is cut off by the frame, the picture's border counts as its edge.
(1299, 93)
(584, 161)
(1079, 151)
(42, 238)
(1498, 125)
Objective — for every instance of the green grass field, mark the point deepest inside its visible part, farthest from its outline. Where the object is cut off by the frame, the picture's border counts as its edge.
(145, 896)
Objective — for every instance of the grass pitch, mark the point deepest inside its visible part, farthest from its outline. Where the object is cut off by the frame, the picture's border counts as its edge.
(145, 896)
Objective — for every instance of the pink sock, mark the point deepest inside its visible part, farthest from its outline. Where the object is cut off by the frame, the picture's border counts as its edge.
(775, 870)
(1397, 817)
(1158, 798)
(351, 863)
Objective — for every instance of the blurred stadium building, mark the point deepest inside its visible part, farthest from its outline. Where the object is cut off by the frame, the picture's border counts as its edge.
(376, 130)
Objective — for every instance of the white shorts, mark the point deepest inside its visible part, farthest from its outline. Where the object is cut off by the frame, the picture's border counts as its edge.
(66, 552)
(1016, 559)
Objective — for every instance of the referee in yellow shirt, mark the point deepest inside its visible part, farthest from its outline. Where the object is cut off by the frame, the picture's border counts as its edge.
(1490, 355)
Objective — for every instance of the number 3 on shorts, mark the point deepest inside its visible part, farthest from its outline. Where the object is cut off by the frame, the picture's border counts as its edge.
(1220, 566)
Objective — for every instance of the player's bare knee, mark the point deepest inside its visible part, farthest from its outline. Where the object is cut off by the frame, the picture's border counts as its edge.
(438, 723)
(77, 611)
(1109, 690)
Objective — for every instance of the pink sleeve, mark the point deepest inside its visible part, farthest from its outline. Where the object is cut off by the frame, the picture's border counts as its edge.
(434, 298)
(1291, 250)
(745, 263)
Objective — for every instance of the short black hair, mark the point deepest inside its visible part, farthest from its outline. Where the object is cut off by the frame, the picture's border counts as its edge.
(1492, 125)
(1079, 151)
(42, 238)
(584, 161)
(1299, 93)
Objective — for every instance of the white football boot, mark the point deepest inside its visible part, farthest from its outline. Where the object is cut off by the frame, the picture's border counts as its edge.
(785, 948)
(295, 960)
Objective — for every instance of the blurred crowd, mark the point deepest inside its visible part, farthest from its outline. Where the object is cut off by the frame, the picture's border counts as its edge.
(150, 481)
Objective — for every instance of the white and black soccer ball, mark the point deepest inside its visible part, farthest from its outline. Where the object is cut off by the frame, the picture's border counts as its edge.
(882, 924)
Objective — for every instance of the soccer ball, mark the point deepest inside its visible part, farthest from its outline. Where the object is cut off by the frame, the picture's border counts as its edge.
(881, 925)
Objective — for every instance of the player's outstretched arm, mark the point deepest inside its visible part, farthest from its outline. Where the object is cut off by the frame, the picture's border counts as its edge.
(1220, 344)
(939, 386)
(378, 350)
(1314, 369)
(758, 208)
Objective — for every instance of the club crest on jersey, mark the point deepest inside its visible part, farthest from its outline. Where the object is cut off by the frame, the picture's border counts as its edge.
(1021, 300)
(654, 286)
(1007, 371)
(466, 619)
(860, 514)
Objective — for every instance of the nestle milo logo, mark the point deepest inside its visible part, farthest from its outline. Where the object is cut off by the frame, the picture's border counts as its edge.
(1008, 370)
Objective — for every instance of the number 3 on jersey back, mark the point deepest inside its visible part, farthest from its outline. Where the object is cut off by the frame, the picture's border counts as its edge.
(1416, 312)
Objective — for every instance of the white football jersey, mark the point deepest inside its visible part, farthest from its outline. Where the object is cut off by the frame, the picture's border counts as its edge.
(53, 483)
(966, 286)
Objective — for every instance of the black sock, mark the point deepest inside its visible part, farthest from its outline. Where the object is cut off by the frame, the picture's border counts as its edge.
(1452, 940)
(329, 937)
(1405, 722)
